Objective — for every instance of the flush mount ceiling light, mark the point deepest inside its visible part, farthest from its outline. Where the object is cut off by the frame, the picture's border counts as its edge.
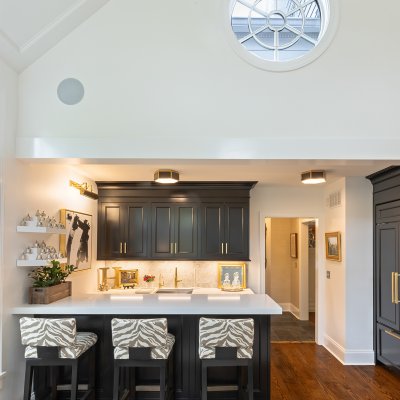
(166, 176)
(84, 189)
(313, 177)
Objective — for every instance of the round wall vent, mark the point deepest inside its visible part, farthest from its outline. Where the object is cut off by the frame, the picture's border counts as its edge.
(70, 91)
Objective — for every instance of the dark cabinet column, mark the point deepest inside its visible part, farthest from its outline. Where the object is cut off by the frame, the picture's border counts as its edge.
(212, 236)
(162, 231)
(185, 231)
(387, 262)
(136, 230)
(236, 231)
(110, 232)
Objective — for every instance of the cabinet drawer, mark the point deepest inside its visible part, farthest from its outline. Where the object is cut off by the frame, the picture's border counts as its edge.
(388, 346)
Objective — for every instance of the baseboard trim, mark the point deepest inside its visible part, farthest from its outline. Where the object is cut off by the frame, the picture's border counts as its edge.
(289, 307)
(349, 357)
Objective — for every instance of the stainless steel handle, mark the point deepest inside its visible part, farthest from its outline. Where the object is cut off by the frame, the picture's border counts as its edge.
(120, 247)
(222, 248)
(125, 247)
(391, 333)
(226, 248)
(175, 247)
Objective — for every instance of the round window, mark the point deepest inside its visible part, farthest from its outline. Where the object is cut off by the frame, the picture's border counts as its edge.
(279, 31)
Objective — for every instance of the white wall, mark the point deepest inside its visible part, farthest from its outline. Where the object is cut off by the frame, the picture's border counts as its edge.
(359, 271)
(158, 75)
(28, 188)
(335, 287)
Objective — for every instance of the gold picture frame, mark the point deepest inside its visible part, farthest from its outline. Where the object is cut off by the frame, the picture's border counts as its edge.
(333, 248)
(127, 277)
(234, 272)
(293, 245)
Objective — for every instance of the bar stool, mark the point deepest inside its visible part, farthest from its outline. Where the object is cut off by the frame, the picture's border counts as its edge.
(226, 342)
(55, 343)
(143, 343)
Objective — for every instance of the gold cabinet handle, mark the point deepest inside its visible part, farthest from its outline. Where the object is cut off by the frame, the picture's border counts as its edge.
(175, 247)
(396, 288)
(226, 248)
(222, 248)
(391, 333)
(120, 247)
(171, 248)
(125, 247)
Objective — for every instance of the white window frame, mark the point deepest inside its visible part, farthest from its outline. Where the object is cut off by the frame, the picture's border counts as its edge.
(331, 12)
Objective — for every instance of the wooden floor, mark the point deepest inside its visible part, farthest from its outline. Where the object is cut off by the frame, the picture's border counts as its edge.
(287, 328)
(306, 371)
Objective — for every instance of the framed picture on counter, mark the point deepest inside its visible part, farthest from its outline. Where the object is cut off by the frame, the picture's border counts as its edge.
(77, 243)
(232, 276)
(333, 246)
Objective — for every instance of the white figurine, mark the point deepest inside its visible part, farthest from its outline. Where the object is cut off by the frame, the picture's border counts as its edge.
(236, 280)
(226, 282)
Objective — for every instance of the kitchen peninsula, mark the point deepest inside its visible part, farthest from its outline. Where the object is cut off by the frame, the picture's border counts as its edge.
(94, 312)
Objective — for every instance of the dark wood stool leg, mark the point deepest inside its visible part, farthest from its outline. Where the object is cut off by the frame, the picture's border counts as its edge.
(250, 380)
(28, 381)
(53, 382)
(132, 383)
(116, 382)
(162, 382)
(203, 381)
(92, 372)
(171, 382)
(74, 379)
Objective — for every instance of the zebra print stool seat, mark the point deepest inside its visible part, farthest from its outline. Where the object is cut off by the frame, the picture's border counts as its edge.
(55, 343)
(142, 343)
(226, 342)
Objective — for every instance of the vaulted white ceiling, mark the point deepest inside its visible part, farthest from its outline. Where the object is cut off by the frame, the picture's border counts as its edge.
(29, 28)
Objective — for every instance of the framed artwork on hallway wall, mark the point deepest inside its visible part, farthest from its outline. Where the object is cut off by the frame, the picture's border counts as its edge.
(77, 243)
(293, 245)
(333, 248)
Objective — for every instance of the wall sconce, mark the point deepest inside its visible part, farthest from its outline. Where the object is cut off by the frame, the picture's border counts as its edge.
(84, 189)
(166, 176)
(313, 177)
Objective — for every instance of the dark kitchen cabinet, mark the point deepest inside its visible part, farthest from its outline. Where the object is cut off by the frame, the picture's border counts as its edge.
(174, 231)
(123, 231)
(387, 265)
(184, 221)
(225, 231)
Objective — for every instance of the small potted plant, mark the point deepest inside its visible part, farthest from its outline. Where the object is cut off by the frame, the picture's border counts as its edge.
(148, 279)
(49, 283)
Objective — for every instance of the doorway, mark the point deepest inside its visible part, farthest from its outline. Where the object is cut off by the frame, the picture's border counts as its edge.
(290, 278)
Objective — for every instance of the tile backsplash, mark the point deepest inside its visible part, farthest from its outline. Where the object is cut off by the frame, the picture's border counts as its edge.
(192, 273)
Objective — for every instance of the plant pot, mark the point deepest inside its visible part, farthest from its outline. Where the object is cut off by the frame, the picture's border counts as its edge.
(46, 295)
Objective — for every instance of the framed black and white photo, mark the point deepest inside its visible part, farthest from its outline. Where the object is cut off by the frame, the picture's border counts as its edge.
(77, 243)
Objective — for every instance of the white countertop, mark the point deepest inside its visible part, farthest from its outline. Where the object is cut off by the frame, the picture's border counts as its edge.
(201, 302)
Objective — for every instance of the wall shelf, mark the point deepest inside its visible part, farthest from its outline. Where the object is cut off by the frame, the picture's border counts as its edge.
(40, 229)
(38, 263)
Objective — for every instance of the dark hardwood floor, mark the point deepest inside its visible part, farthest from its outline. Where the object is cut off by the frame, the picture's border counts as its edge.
(306, 371)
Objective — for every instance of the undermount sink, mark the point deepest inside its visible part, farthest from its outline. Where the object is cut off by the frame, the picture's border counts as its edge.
(175, 290)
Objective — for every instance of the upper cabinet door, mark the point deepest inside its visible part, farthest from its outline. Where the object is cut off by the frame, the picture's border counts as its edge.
(236, 231)
(185, 231)
(136, 241)
(111, 232)
(162, 231)
(387, 262)
(212, 231)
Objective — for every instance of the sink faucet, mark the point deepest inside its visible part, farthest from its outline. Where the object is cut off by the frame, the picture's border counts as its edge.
(176, 277)
(160, 281)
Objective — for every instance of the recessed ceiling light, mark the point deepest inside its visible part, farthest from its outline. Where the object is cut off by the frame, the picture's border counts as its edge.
(313, 177)
(166, 176)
